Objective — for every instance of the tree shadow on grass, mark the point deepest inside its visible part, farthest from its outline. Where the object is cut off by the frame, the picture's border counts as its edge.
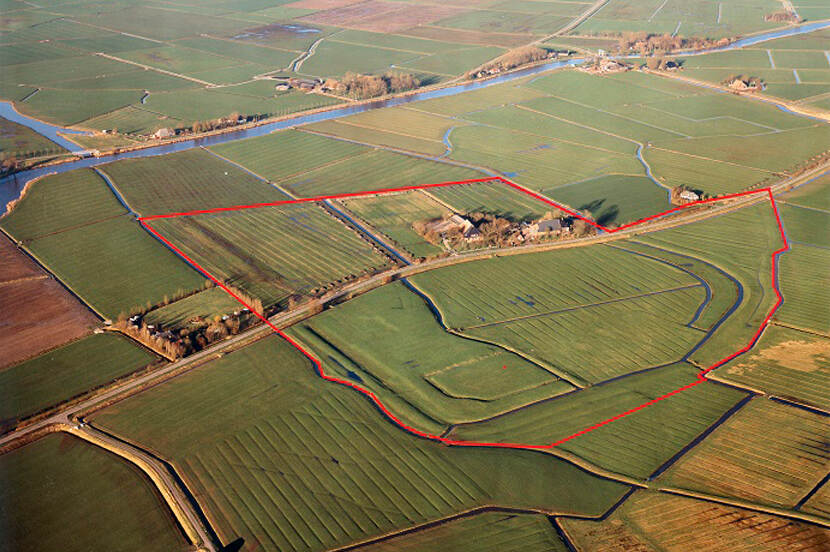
(602, 215)
(234, 546)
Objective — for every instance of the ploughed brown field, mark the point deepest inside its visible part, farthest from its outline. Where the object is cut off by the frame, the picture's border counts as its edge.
(37, 312)
(382, 17)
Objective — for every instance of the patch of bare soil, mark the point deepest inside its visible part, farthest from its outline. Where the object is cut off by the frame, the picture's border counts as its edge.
(803, 356)
(383, 17)
(36, 312)
(13, 264)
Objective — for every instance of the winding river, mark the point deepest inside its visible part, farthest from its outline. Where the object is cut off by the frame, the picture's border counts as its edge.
(11, 186)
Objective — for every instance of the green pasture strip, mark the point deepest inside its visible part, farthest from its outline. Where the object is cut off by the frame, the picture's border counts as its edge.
(494, 198)
(62, 373)
(394, 215)
(505, 288)
(205, 304)
(652, 520)
(283, 154)
(481, 533)
(740, 243)
(115, 265)
(61, 202)
(375, 170)
(805, 284)
(185, 181)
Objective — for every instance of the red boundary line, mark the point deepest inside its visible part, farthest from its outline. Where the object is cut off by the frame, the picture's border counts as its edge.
(701, 377)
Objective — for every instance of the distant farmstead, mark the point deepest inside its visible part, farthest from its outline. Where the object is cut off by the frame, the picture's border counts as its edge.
(163, 133)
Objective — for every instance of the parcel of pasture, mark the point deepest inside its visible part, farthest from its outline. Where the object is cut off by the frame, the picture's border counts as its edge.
(636, 445)
(678, 524)
(186, 181)
(273, 252)
(767, 453)
(425, 369)
(51, 484)
(67, 371)
(328, 469)
(787, 363)
(480, 533)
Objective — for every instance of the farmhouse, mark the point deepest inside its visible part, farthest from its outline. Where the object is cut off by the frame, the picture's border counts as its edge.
(163, 133)
(688, 195)
(545, 227)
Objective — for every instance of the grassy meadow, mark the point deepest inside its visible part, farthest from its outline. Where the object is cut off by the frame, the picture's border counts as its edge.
(481, 533)
(274, 252)
(767, 453)
(677, 524)
(433, 378)
(186, 181)
(787, 363)
(51, 484)
(636, 445)
(287, 461)
(66, 371)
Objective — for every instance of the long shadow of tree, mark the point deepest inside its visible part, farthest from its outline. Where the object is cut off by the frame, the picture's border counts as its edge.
(602, 215)
(234, 546)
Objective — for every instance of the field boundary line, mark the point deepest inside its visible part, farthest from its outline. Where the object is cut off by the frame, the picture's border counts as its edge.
(318, 366)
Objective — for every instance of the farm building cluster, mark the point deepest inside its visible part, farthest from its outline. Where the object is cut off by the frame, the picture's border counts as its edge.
(485, 229)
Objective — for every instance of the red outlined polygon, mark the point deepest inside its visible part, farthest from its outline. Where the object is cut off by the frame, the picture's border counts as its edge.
(701, 376)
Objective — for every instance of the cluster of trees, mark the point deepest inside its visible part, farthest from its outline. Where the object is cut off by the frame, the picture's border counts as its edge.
(648, 43)
(9, 163)
(782, 16)
(510, 60)
(660, 63)
(149, 337)
(357, 86)
(216, 124)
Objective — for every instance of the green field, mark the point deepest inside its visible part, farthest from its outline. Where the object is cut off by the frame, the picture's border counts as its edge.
(284, 154)
(786, 363)
(273, 252)
(635, 445)
(740, 243)
(205, 304)
(803, 282)
(649, 521)
(767, 453)
(287, 461)
(594, 343)
(518, 286)
(431, 378)
(393, 216)
(792, 68)
(61, 494)
(61, 202)
(19, 141)
(494, 198)
(481, 533)
(376, 169)
(705, 18)
(67, 371)
(115, 265)
(186, 181)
